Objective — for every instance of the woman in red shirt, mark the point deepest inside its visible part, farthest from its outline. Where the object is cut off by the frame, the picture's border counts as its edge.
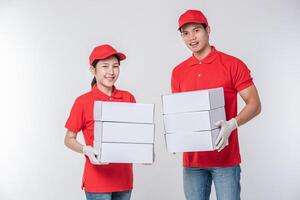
(105, 181)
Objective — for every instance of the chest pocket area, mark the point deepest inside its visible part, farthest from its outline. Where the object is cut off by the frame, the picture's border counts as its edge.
(205, 76)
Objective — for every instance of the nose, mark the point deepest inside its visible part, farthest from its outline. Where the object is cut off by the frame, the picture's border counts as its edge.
(111, 70)
(192, 36)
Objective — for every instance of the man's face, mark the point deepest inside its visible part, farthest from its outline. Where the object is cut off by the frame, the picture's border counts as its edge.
(195, 36)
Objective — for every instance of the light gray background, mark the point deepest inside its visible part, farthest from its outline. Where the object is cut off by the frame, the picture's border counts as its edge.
(44, 49)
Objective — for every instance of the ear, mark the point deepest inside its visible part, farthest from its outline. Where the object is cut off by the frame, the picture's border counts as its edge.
(208, 29)
(92, 70)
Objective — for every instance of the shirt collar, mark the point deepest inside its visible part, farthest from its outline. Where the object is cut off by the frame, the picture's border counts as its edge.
(102, 96)
(208, 59)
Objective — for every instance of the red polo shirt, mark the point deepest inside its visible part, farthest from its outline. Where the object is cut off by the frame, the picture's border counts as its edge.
(216, 70)
(99, 178)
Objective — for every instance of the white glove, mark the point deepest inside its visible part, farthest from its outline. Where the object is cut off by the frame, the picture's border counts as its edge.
(91, 153)
(226, 128)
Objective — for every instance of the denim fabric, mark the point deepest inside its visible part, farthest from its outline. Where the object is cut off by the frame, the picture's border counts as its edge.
(124, 195)
(197, 182)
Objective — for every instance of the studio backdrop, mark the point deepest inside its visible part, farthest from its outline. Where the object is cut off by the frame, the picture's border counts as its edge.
(44, 49)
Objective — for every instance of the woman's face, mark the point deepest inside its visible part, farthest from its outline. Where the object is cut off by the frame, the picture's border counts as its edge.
(106, 72)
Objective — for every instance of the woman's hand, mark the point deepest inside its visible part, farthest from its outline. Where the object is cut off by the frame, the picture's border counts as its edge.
(91, 153)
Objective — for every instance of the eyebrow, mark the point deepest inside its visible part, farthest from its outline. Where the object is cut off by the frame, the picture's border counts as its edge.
(197, 26)
(109, 63)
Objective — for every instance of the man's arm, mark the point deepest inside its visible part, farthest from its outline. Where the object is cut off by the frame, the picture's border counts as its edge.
(250, 110)
(252, 107)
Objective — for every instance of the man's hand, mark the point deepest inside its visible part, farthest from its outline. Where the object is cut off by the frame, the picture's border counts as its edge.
(226, 128)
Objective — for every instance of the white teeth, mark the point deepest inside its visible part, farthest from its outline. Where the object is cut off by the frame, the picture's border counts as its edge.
(194, 45)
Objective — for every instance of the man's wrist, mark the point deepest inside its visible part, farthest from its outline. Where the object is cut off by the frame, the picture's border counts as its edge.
(234, 123)
(83, 149)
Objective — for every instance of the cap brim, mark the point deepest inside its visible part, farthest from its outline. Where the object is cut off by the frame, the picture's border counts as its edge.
(192, 21)
(120, 55)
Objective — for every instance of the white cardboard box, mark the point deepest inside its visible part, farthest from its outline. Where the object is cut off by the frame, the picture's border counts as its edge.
(193, 121)
(126, 153)
(123, 112)
(191, 141)
(123, 132)
(193, 101)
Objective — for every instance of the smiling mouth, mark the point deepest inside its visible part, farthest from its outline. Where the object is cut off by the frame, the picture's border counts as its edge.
(110, 78)
(194, 44)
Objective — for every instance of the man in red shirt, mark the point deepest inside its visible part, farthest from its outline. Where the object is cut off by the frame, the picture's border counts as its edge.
(209, 68)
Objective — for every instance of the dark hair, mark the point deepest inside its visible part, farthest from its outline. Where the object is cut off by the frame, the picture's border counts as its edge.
(202, 24)
(94, 81)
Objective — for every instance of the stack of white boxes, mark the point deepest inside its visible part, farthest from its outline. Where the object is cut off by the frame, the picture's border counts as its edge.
(189, 119)
(124, 132)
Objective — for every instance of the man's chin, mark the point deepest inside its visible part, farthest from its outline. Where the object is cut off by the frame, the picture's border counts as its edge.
(195, 50)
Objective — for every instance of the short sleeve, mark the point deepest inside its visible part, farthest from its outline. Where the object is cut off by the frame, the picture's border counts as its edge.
(132, 99)
(241, 76)
(175, 87)
(75, 121)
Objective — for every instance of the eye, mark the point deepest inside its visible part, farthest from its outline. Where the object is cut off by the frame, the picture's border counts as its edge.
(116, 66)
(184, 33)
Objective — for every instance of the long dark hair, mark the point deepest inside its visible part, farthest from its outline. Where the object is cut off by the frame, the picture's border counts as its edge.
(94, 81)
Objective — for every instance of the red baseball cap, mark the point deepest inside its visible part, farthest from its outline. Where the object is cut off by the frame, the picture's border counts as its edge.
(192, 16)
(104, 51)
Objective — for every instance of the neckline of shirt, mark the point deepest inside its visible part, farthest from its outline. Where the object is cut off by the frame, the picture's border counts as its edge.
(207, 60)
(116, 94)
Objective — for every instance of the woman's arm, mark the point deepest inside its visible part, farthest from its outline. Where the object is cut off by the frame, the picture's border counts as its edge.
(72, 143)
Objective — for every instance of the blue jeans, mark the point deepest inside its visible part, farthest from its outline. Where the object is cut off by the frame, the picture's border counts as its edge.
(197, 182)
(123, 195)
